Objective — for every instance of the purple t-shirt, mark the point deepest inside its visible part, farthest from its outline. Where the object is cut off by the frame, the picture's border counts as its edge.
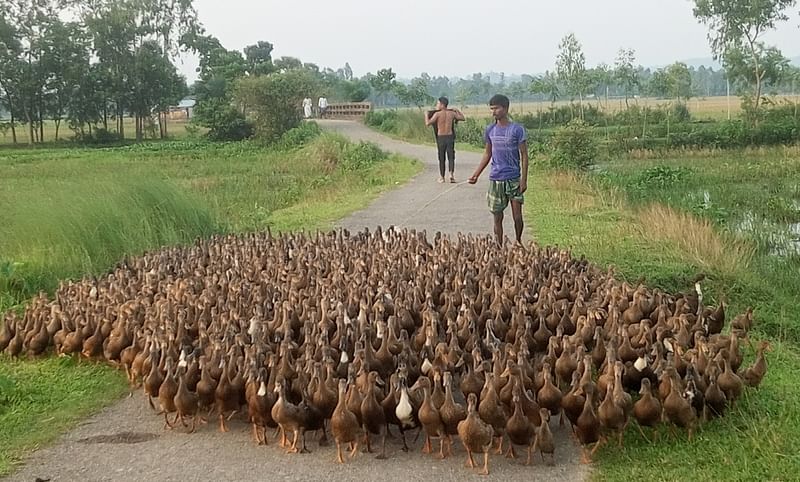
(505, 150)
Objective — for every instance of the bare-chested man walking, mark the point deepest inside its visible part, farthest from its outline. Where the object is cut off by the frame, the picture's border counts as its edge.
(444, 119)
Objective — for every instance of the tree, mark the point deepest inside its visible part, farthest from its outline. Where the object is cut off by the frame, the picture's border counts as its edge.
(600, 79)
(356, 90)
(259, 58)
(571, 68)
(680, 81)
(156, 82)
(546, 85)
(625, 73)
(382, 82)
(65, 59)
(274, 100)
(218, 71)
(773, 66)
(288, 63)
(416, 93)
(673, 81)
(462, 95)
(740, 25)
(659, 84)
(10, 71)
(516, 90)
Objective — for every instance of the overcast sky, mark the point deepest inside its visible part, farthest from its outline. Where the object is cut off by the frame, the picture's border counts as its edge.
(459, 37)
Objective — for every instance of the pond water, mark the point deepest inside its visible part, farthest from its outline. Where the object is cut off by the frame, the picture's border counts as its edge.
(782, 239)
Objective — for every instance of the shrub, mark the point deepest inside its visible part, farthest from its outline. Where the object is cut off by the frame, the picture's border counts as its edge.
(299, 136)
(274, 101)
(383, 119)
(229, 125)
(574, 146)
(361, 156)
(471, 131)
(98, 136)
(660, 177)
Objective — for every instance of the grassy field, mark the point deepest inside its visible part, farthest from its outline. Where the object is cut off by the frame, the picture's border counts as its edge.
(70, 212)
(175, 129)
(700, 107)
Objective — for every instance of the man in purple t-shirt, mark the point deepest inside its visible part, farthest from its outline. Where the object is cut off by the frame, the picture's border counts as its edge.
(507, 148)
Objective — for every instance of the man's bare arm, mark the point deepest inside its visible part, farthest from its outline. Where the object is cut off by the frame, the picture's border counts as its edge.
(487, 155)
(430, 120)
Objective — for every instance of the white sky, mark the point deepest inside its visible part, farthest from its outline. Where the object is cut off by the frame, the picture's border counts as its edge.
(459, 37)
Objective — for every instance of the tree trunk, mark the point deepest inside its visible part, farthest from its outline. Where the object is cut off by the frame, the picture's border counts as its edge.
(13, 127)
(669, 112)
(105, 115)
(644, 124)
(58, 123)
(41, 121)
(759, 76)
(120, 120)
(30, 126)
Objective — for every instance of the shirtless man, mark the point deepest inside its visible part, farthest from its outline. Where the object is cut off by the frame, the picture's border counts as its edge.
(444, 119)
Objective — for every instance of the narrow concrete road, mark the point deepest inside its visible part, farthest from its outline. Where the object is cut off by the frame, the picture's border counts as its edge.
(424, 203)
(127, 442)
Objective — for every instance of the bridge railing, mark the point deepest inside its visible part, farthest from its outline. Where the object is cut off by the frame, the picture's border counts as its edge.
(350, 110)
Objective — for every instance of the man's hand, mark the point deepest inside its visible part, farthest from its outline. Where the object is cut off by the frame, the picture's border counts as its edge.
(523, 186)
(473, 179)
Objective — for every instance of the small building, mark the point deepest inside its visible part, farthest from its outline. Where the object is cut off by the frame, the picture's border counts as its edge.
(184, 109)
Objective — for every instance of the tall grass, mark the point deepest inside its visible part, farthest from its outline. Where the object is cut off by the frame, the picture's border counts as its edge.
(697, 239)
(65, 228)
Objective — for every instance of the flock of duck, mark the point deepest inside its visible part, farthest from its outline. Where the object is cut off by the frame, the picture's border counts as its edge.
(353, 333)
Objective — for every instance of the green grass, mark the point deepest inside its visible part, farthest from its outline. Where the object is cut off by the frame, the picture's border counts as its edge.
(757, 439)
(761, 183)
(176, 129)
(41, 399)
(408, 125)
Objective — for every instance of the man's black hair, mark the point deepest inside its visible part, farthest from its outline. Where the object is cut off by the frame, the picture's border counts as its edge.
(499, 99)
(444, 100)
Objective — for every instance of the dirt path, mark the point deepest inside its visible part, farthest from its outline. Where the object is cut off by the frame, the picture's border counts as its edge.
(127, 442)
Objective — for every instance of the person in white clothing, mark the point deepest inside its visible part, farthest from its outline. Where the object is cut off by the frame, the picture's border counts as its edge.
(323, 106)
(307, 105)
